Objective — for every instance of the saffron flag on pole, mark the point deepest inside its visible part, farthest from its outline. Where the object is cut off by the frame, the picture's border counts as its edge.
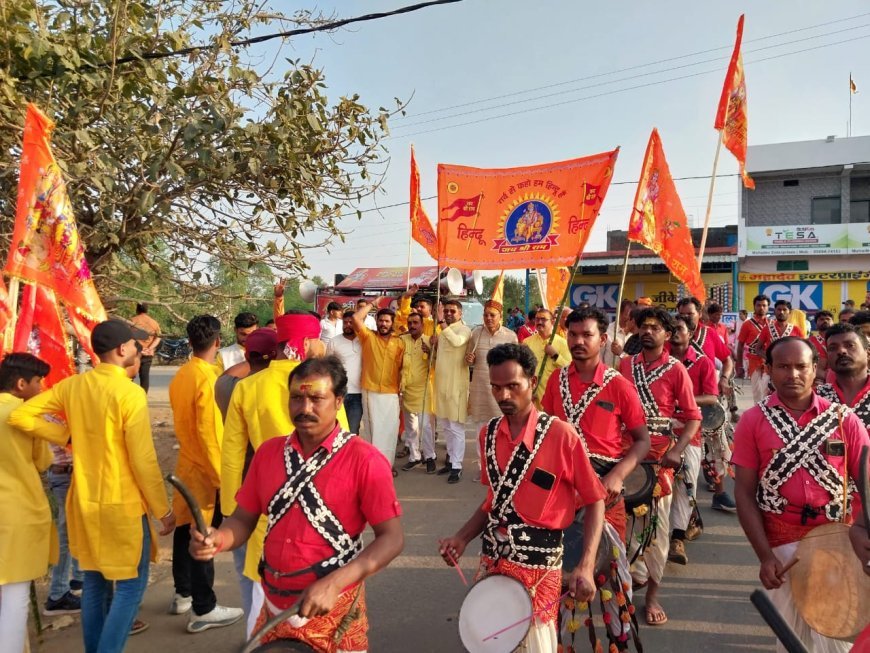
(510, 218)
(40, 331)
(557, 281)
(658, 221)
(732, 117)
(421, 227)
(45, 247)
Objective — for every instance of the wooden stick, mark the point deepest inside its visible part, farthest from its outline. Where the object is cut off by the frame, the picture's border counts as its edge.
(474, 221)
(791, 563)
(524, 619)
(620, 295)
(709, 202)
(9, 334)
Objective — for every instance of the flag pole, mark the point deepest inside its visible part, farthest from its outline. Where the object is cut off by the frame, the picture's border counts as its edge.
(474, 221)
(710, 201)
(9, 334)
(620, 295)
(849, 130)
(542, 290)
(410, 239)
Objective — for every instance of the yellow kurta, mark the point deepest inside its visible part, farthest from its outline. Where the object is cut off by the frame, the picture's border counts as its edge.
(415, 368)
(381, 362)
(259, 410)
(25, 516)
(481, 404)
(451, 373)
(537, 345)
(116, 479)
(199, 430)
(400, 324)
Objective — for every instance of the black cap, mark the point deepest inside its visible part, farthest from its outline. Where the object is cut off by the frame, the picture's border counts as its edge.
(110, 334)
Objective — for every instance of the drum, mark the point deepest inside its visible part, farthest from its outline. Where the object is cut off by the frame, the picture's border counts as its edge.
(573, 547)
(639, 485)
(492, 604)
(712, 417)
(285, 646)
(831, 591)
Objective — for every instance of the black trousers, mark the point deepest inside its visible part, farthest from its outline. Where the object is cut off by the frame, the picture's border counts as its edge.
(192, 577)
(145, 372)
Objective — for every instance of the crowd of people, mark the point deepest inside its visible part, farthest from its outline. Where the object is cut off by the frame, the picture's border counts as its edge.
(590, 438)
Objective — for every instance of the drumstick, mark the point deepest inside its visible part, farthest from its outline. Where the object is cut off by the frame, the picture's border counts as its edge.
(191, 503)
(777, 624)
(292, 611)
(864, 485)
(791, 563)
(525, 619)
(456, 567)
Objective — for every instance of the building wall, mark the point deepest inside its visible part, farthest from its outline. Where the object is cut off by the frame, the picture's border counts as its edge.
(775, 205)
(602, 290)
(860, 188)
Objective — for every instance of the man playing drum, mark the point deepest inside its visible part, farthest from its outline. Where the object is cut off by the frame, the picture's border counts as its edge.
(319, 487)
(791, 452)
(847, 351)
(666, 394)
(749, 339)
(537, 476)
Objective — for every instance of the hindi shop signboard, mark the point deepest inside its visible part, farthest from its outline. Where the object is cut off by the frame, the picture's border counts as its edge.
(832, 239)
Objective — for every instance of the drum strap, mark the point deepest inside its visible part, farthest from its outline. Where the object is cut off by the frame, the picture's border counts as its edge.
(861, 408)
(753, 346)
(643, 382)
(802, 450)
(527, 545)
(575, 411)
(698, 340)
(776, 335)
(299, 488)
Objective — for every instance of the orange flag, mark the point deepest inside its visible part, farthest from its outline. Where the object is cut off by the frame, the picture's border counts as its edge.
(557, 281)
(421, 227)
(39, 331)
(45, 247)
(732, 117)
(658, 221)
(509, 218)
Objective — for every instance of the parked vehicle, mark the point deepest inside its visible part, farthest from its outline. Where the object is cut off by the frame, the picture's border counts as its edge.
(173, 351)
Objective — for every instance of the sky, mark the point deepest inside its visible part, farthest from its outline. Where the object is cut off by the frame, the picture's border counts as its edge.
(578, 78)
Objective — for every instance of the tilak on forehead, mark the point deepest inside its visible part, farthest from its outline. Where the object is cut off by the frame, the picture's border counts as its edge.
(311, 386)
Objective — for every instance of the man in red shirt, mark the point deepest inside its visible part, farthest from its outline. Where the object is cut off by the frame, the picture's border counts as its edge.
(319, 488)
(527, 329)
(707, 341)
(791, 452)
(847, 351)
(714, 321)
(537, 476)
(824, 321)
(703, 376)
(599, 403)
(666, 394)
(779, 327)
(749, 341)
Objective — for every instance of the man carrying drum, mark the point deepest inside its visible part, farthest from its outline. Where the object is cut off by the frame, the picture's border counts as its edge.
(319, 488)
(666, 394)
(599, 403)
(537, 476)
(847, 351)
(791, 453)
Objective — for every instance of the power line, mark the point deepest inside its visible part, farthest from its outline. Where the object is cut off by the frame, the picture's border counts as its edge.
(621, 90)
(150, 56)
(629, 68)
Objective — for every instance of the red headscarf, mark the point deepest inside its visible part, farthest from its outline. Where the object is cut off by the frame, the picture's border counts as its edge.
(293, 329)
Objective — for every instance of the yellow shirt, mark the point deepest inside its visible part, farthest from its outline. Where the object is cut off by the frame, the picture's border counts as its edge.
(259, 410)
(381, 362)
(25, 517)
(199, 430)
(116, 479)
(415, 368)
(401, 321)
(537, 345)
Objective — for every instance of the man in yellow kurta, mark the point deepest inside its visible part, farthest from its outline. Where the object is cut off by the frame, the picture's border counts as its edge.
(421, 305)
(116, 481)
(451, 386)
(259, 410)
(556, 354)
(417, 382)
(199, 430)
(25, 516)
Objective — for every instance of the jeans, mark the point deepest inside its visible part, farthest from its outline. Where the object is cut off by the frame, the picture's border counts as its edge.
(59, 485)
(107, 618)
(145, 372)
(194, 578)
(354, 409)
(246, 585)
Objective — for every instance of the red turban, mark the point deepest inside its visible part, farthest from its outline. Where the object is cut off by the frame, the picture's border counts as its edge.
(293, 329)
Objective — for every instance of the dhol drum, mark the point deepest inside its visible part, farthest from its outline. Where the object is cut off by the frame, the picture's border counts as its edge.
(285, 646)
(495, 604)
(712, 417)
(573, 547)
(639, 485)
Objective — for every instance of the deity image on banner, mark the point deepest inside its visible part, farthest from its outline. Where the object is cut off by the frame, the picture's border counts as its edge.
(528, 223)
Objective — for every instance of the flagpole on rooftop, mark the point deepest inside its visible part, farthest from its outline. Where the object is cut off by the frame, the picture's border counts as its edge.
(710, 200)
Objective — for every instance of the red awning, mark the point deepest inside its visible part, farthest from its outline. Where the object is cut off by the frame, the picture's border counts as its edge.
(388, 278)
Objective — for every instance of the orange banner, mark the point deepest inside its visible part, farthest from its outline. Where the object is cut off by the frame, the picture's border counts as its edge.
(45, 247)
(732, 117)
(421, 227)
(39, 331)
(557, 281)
(511, 218)
(658, 221)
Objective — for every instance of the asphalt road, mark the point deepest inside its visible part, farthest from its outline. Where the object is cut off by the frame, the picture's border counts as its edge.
(413, 605)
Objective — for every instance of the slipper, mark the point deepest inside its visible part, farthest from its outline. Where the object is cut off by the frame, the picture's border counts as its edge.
(651, 622)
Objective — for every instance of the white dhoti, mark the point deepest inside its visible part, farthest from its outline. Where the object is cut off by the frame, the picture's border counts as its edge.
(784, 602)
(651, 564)
(682, 504)
(542, 638)
(411, 435)
(454, 438)
(257, 599)
(759, 380)
(381, 419)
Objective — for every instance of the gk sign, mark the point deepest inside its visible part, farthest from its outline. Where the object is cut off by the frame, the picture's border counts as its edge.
(806, 296)
(600, 296)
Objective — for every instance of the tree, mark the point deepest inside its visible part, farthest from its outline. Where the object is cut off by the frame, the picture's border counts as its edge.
(172, 161)
(514, 292)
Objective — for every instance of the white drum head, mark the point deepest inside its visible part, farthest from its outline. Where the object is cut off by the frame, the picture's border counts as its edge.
(492, 604)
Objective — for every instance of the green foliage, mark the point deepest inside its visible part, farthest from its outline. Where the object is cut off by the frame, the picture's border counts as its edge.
(174, 164)
(514, 292)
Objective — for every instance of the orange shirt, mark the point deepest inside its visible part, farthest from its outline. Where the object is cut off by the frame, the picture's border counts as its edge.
(149, 325)
(381, 362)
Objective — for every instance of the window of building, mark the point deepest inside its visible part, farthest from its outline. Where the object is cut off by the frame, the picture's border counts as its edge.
(859, 211)
(826, 210)
(788, 183)
(792, 266)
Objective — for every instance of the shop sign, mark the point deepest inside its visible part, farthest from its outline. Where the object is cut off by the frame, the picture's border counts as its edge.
(602, 296)
(806, 296)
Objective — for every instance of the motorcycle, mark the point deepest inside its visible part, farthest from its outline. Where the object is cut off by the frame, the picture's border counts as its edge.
(173, 350)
